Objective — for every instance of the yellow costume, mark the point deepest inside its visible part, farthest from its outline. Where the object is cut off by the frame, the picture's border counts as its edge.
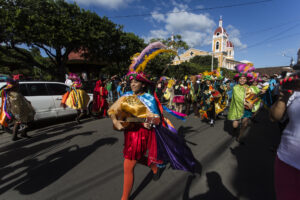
(78, 99)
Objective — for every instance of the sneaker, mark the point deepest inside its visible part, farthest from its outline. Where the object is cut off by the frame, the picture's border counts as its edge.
(211, 123)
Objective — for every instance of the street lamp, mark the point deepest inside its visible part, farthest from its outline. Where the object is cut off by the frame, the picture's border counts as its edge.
(292, 59)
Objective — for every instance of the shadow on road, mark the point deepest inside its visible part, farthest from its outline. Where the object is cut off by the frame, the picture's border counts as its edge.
(142, 186)
(254, 178)
(43, 134)
(217, 190)
(38, 174)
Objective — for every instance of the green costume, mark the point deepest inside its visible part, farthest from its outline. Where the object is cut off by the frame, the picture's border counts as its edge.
(255, 90)
(236, 109)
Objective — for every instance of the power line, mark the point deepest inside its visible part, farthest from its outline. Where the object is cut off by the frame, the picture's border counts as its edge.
(190, 10)
(271, 27)
(273, 37)
(280, 38)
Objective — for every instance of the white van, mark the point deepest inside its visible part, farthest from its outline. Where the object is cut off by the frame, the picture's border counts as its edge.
(46, 97)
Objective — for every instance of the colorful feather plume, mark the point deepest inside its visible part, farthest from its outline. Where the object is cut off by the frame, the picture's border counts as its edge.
(255, 75)
(139, 61)
(206, 73)
(245, 68)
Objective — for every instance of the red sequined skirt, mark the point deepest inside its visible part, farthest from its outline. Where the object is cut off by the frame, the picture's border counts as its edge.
(178, 99)
(138, 142)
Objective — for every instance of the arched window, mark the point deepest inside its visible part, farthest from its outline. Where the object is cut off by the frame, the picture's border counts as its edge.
(229, 53)
(217, 45)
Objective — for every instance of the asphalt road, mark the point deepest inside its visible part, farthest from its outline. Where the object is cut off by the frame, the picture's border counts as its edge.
(67, 161)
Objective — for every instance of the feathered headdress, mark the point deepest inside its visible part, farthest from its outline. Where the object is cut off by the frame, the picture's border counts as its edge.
(255, 76)
(208, 76)
(140, 60)
(73, 76)
(244, 70)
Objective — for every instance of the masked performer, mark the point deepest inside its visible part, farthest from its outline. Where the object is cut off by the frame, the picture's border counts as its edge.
(15, 108)
(208, 99)
(240, 110)
(76, 98)
(100, 104)
(193, 96)
(148, 136)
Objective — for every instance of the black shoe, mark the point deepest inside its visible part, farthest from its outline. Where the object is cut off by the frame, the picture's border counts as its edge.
(15, 138)
(77, 120)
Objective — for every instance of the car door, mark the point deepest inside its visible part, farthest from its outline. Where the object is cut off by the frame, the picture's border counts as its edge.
(41, 101)
(57, 90)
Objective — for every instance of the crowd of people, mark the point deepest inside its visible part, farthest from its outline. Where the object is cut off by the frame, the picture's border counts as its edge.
(136, 104)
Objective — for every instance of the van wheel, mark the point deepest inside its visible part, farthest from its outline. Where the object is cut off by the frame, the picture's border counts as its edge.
(90, 110)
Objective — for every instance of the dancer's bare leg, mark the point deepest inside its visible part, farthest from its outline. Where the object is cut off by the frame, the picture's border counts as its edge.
(128, 177)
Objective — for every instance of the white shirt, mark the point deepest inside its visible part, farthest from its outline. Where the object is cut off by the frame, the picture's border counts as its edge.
(289, 148)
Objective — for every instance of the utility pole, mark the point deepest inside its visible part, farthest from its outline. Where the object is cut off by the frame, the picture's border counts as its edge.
(212, 61)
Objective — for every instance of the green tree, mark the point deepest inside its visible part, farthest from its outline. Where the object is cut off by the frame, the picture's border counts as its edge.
(163, 63)
(175, 42)
(204, 61)
(185, 68)
(57, 28)
(123, 49)
(12, 62)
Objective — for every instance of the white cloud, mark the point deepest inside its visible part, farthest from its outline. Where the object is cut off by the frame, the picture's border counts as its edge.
(157, 34)
(179, 5)
(234, 36)
(195, 29)
(110, 4)
(157, 16)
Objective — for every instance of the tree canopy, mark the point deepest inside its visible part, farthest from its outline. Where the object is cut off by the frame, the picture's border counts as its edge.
(204, 61)
(58, 28)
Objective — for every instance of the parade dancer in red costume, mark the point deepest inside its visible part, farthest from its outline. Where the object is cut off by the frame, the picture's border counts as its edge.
(100, 105)
(149, 137)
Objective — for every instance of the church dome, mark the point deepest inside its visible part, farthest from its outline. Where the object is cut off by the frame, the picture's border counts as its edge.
(220, 30)
(229, 44)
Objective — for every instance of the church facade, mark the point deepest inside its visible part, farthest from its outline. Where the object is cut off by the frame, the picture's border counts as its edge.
(222, 49)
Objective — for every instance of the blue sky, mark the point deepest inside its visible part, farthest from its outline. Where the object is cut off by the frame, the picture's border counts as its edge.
(261, 32)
